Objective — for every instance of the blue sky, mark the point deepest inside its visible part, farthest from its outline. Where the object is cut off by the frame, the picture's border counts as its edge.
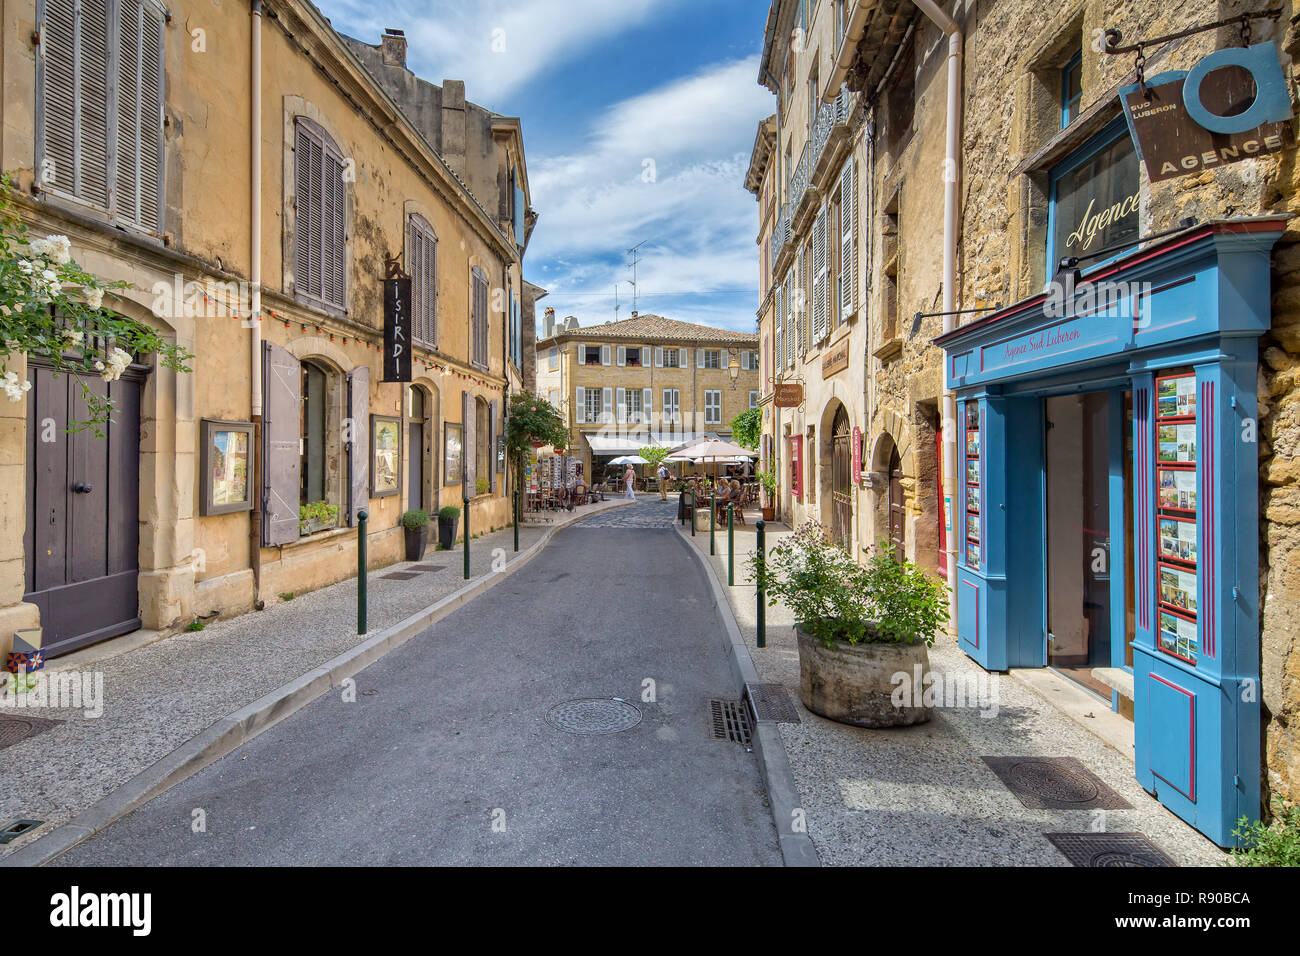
(638, 118)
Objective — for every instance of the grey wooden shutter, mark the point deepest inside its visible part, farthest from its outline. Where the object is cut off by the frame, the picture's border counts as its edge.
(281, 457)
(469, 473)
(580, 401)
(333, 240)
(492, 446)
(137, 168)
(359, 447)
(306, 211)
(75, 98)
(421, 257)
(320, 201)
(779, 324)
(820, 277)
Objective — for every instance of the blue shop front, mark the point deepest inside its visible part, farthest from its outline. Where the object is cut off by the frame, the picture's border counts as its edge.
(1108, 513)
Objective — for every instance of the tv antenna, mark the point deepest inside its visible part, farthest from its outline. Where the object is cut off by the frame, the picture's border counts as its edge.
(636, 257)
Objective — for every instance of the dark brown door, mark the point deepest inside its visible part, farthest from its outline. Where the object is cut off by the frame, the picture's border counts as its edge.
(897, 514)
(83, 510)
(841, 490)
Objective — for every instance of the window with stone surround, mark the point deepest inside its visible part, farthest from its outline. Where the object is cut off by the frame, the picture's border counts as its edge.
(1094, 198)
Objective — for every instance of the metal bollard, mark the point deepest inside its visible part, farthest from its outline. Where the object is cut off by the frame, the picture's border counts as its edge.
(362, 516)
(713, 513)
(731, 545)
(516, 521)
(692, 516)
(760, 550)
(466, 500)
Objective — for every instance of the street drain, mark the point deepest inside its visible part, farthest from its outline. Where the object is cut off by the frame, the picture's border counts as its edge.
(17, 829)
(400, 575)
(730, 719)
(1109, 849)
(593, 715)
(771, 702)
(1055, 783)
(14, 729)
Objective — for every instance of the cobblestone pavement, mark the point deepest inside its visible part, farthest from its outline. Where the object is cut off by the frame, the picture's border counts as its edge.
(648, 512)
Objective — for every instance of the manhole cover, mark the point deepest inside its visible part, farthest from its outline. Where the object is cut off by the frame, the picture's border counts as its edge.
(771, 702)
(1109, 849)
(1055, 783)
(13, 728)
(593, 715)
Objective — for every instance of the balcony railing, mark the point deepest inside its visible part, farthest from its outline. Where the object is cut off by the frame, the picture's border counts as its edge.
(780, 232)
(830, 115)
(799, 181)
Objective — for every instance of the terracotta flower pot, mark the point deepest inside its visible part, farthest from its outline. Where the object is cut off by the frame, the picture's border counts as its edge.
(859, 684)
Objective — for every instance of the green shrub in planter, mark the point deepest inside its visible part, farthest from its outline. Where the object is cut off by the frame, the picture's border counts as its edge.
(449, 512)
(481, 486)
(415, 519)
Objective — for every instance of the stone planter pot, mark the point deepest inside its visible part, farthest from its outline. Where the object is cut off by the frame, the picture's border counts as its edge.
(855, 684)
(447, 531)
(416, 539)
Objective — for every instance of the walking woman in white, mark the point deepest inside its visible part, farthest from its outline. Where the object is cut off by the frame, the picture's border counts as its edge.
(628, 477)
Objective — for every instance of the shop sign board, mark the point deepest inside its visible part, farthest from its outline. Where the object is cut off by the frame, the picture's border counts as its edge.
(1231, 106)
(788, 395)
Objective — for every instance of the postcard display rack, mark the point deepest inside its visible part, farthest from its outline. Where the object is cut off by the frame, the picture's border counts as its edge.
(1177, 558)
(971, 484)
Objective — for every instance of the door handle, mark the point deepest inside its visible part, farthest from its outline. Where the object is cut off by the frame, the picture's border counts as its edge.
(81, 488)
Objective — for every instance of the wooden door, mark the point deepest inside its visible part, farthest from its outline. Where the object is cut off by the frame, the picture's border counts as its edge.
(897, 511)
(841, 487)
(82, 539)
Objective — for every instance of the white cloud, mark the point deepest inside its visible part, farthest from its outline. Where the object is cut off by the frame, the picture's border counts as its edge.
(694, 134)
(495, 46)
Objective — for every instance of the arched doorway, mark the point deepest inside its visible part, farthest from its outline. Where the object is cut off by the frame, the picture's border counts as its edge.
(841, 480)
(897, 511)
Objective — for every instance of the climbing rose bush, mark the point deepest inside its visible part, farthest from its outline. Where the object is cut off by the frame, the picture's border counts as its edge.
(53, 310)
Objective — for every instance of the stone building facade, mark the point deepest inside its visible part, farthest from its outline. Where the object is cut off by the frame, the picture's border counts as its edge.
(286, 166)
(643, 381)
(1039, 126)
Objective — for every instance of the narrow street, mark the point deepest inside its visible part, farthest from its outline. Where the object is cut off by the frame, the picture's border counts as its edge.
(447, 755)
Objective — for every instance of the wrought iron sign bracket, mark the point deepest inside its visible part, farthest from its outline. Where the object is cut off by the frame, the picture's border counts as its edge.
(393, 268)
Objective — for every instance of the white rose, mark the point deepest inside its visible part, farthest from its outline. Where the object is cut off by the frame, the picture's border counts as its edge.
(94, 296)
(59, 249)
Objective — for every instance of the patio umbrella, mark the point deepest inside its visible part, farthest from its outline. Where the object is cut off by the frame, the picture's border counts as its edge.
(711, 449)
(629, 460)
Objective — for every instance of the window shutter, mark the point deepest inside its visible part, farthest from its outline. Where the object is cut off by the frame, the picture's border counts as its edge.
(647, 405)
(421, 253)
(606, 404)
(75, 101)
(848, 239)
(580, 401)
(305, 158)
(622, 355)
(492, 446)
(681, 358)
(820, 277)
(699, 358)
(332, 217)
(138, 170)
(281, 431)
(659, 357)
(723, 358)
(359, 447)
(604, 355)
(620, 404)
(519, 216)
(778, 341)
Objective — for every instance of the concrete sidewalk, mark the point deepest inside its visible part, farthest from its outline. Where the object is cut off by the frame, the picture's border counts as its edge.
(158, 696)
(922, 795)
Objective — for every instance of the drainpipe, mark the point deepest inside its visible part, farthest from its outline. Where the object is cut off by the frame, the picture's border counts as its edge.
(255, 280)
(952, 164)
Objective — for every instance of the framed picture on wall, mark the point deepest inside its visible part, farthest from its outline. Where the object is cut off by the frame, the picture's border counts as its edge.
(225, 467)
(453, 446)
(385, 455)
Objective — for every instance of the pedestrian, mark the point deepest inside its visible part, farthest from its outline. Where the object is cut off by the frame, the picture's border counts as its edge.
(664, 475)
(628, 477)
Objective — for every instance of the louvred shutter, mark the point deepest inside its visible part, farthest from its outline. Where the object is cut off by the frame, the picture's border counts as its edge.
(281, 431)
(848, 239)
(820, 277)
(359, 446)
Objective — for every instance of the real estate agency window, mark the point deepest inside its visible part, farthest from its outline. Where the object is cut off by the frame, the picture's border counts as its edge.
(1093, 199)
(712, 406)
(99, 88)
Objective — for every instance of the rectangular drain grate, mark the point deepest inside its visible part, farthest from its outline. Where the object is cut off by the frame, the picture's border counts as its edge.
(730, 720)
(400, 575)
(1109, 849)
(17, 829)
(771, 702)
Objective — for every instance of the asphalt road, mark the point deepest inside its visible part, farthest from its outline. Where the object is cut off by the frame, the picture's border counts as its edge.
(446, 755)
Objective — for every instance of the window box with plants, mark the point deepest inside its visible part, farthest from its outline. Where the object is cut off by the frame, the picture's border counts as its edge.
(448, 519)
(415, 527)
(863, 631)
(317, 516)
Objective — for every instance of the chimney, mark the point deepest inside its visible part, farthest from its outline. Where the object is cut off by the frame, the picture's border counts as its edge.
(548, 322)
(570, 323)
(393, 46)
(453, 125)
(634, 313)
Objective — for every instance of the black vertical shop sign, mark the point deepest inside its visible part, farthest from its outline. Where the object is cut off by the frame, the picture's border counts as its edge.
(397, 329)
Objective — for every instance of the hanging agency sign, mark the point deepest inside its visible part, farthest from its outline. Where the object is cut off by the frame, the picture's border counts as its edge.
(1232, 105)
(397, 329)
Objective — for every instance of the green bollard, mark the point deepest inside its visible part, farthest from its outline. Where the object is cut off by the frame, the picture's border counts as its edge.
(466, 501)
(731, 545)
(692, 517)
(761, 552)
(361, 571)
(516, 522)
(713, 513)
